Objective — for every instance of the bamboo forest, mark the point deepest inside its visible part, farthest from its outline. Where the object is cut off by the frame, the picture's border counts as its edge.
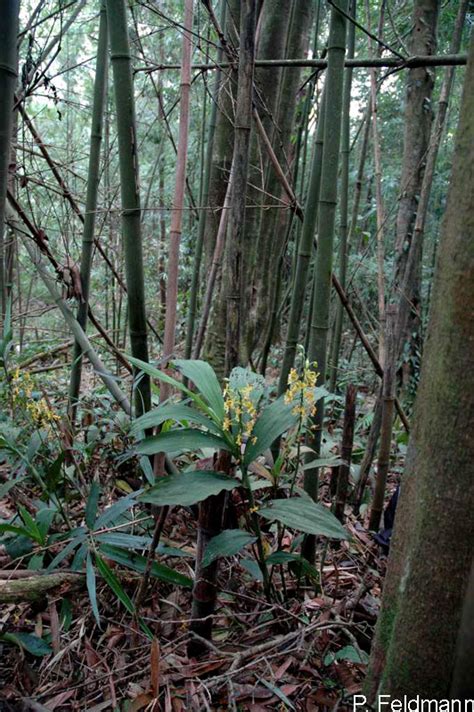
(236, 355)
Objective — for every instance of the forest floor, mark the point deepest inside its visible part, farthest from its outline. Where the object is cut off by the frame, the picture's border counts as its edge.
(307, 652)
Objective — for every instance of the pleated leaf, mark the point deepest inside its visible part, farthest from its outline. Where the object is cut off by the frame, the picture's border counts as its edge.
(306, 516)
(187, 488)
(275, 420)
(184, 439)
(227, 543)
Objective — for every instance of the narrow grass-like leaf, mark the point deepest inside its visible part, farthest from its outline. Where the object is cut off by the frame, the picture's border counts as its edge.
(112, 581)
(92, 502)
(112, 513)
(136, 562)
(91, 587)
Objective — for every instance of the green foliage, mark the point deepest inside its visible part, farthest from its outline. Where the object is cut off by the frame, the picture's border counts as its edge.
(304, 515)
(227, 543)
(187, 488)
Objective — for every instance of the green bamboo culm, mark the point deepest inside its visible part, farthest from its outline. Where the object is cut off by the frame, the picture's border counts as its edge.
(305, 250)
(317, 351)
(8, 76)
(99, 99)
(275, 227)
(129, 185)
(193, 294)
(344, 202)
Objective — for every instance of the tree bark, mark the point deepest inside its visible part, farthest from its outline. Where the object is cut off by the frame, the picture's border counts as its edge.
(418, 120)
(425, 587)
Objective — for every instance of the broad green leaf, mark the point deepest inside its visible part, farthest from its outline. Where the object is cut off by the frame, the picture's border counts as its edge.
(227, 543)
(172, 411)
(186, 488)
(321, 392)
(281, 557)
(162, 376)
(92, 502)
(91, 587)
(205, 380)
(276, 419)
(241, 377)
(136, 562)
(178, 440)
(28, 641)
(306, 516)
(251, 566)
(350, 653)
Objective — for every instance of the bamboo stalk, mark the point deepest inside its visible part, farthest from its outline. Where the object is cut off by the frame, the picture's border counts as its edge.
(344, 202)
(8, 77)
(343, 471)
(236, 239)
(193, 294)
(388, 399)
(326, 223)
(305, 250)
(446, 60)
(130, 192)
(178, 199)
(100, 94)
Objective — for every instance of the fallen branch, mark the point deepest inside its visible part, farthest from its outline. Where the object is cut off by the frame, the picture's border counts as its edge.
(36, 586)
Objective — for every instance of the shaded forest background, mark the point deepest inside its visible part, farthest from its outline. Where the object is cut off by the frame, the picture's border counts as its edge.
(223, 342)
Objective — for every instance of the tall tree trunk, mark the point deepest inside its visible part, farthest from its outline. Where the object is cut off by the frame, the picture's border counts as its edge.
(429, 567)
(237, 245)
(100, 96)
(411, 267)
(130, 192)
(418, 120)
(8, 77)
(388, 400)
(326, 222)
(273, 26)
